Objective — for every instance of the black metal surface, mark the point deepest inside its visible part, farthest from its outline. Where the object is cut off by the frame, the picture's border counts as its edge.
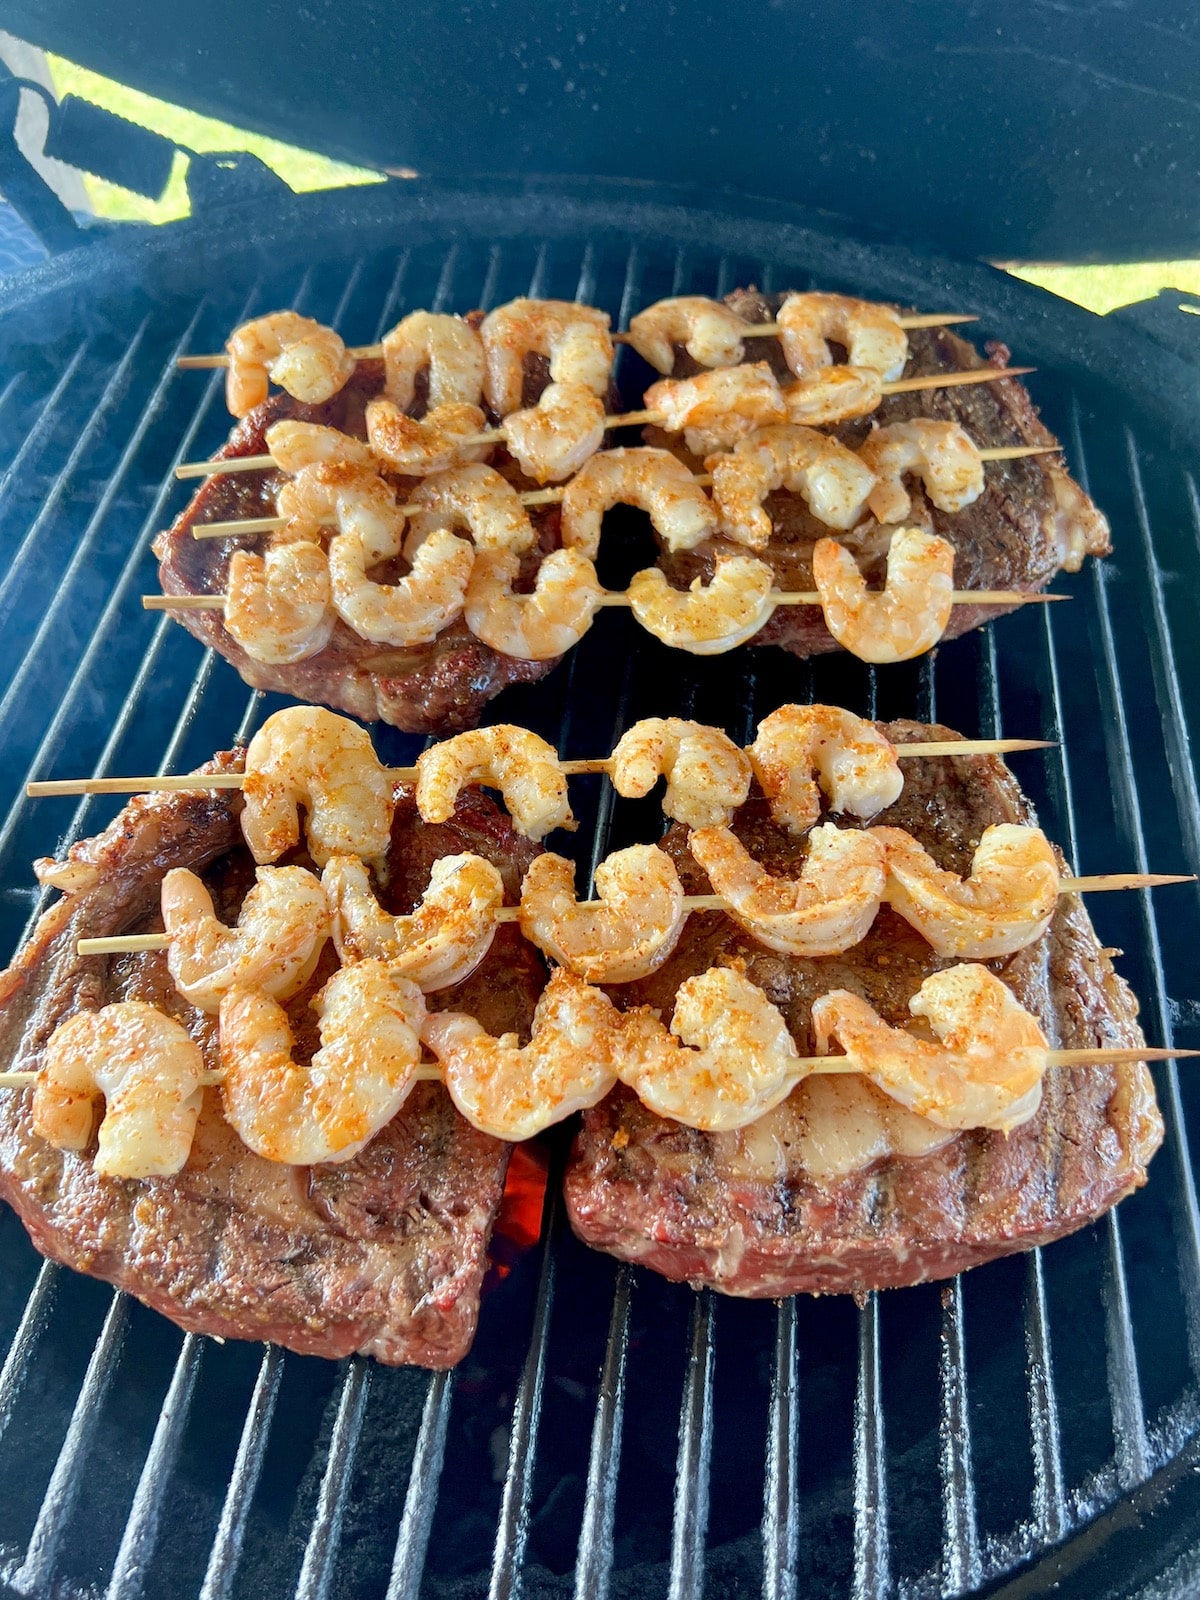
(611, 1434)
(1033, 129)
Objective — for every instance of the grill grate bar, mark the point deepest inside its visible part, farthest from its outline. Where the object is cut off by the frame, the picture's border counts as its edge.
(1049, 1501)
(1163, 663)
(320, 1554)
(113, 390)
(513, 1525)
(780, 1525)
(445, 283)
(26, 1340)
(1183, 777)
(63, 715)
(1128, 1418)
(420, 1502)
(142, 1525)
(586, 289)
(872, 1558)
(961, 1551)
(491, 278)
(1049, 1496)
(226, 1549)
(1129, 1421)
(1129, 1426)
(593, 1563)
(36, 436)
(36, 1572)
(394, 296)
(689, 1529)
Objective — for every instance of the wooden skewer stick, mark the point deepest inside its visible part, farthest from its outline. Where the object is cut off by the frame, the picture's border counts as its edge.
(187, 782)
(779, 597)
(753, 330)
(803, 1066)
(540, 497)
(133, 943)
(625, 419)
(224, 530)
(632, 419)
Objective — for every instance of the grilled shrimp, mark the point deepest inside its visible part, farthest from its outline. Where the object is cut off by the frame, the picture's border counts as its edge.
(308, 360)
(833, 394)
(799, 747)
(306, 756)
(478, 499)
(294, 445)
(832, 481)
(513, 1091)
(415, 608)
(629, 935)
(708, 777)
(447, 347)
(149, 1070)
(539, 625)
(280, 933)
(327, 1109)
(341, 495)
(445, 938)
(554, 438)
(705, 620)
(870, 333)
(709, 332)
(1003, 906)
(940, 453)
(730, 1060)
(575, 339)
(715, 409)
(655, 480)
(826, 910)
(278, 606)
(903, 620)
(985, 1068)
(441, 439)
(523, 767)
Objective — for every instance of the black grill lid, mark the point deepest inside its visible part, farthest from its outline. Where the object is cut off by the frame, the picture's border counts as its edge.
(611, 1434)
(1032, 130)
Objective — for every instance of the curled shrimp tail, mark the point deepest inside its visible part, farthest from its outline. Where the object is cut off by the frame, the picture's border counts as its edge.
(907, 617)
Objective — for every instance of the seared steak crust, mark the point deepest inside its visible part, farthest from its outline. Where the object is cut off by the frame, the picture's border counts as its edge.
(1031, 520)
(383, 1254)
(652, 1191)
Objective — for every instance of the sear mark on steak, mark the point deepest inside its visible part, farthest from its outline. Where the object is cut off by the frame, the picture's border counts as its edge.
(1031, 521)
(433, 688)
(383, 1254)
(683, 1203)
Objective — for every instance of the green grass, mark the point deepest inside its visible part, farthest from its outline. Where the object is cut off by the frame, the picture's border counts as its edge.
(1098, 288)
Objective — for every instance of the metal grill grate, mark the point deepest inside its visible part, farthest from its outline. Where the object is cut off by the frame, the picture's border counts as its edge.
(610, 1434)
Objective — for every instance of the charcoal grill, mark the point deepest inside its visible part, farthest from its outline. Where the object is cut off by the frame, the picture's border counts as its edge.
(1035, 1423)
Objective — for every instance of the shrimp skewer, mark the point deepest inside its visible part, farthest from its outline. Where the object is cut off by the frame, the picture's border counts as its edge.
(548, 440)
(398, 927)
(1005, 904)
(703, 767)
(710, 332)
(837, 484)
(726, 1060)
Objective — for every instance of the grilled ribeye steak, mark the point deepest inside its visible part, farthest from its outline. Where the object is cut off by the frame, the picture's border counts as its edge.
(382, 1254)
(1031, 521)
(433, 688)
(743, 1213)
